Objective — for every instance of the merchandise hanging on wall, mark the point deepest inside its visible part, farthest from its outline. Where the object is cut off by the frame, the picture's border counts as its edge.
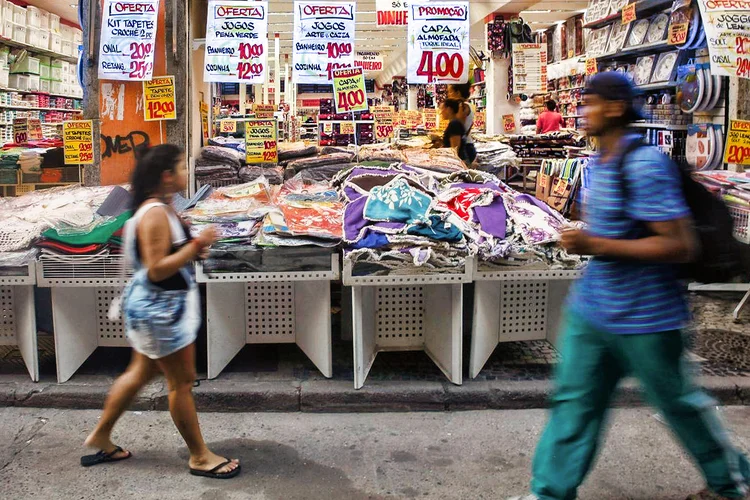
(236, 42)
(128, 40)
(323, 40)
(438, 42)
(727, 27)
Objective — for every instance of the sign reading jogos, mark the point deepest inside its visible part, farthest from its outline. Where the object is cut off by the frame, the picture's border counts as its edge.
(438, 42)
(727, 26)
(236, 42)
(323, 40)
(128, 39)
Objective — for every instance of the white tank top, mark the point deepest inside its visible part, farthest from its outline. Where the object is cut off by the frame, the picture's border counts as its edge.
(468, 123)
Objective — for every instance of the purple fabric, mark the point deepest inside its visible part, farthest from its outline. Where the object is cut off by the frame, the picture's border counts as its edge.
(540, 204)
(493, 218)
(354, 222)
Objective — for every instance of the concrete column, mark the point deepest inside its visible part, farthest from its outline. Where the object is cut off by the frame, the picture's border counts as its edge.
(178, 64)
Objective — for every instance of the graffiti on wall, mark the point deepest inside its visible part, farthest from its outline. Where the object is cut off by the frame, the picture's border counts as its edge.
(124, 145)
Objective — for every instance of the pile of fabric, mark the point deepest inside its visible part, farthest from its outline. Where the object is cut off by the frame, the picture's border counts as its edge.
(496, 157)
(552, 145)
(267, 228)
(392, 222)
(217, 163)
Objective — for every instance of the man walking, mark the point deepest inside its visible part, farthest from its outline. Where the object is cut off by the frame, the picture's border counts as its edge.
(625, 315)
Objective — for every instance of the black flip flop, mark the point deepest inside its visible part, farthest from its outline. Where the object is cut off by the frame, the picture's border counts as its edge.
(103, 457)
(217, 475)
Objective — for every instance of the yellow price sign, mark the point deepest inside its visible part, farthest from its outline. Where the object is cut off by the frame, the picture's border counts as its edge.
(509, 124)
(78, 138)
(204, 121)
(327, 128)
(382, 113)
(413, 119)
(159, 99)
(430, 119)
(678, 33)
(628, 14)
(264, 111)
(737, 149)
(261, 142)
(591, 67)
(349, 92)
(228, 126)
(347, 128)
(480, 120)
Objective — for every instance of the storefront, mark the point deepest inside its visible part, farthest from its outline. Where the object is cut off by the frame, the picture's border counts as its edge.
(314, 137)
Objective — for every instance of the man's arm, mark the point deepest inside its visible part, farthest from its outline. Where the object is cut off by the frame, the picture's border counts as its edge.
(671, 242)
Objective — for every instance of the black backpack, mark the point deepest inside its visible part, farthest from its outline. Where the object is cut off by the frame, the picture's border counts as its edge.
(721, 257)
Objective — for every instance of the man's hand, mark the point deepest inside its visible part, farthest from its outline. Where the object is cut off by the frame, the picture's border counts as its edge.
(578, 242)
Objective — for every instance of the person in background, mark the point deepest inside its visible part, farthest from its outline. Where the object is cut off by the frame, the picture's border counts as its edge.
(161, 308)
(550, 120)
(461, 92)
(453, 137)
(626, 314)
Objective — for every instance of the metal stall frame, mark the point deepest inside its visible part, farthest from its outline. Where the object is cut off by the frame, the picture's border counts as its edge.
(515, 305)
(82, 291)
(408, 312)
(18, 325)
(269, 308)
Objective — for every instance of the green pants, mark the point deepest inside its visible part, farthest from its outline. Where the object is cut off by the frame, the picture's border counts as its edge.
(593, 361)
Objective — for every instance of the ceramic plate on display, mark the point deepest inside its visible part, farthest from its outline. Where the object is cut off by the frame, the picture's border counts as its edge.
(638, 33)
(643, 69)
(688, 87)
(711, 139)
(657, 30)
(695, 28)
(698, 145)
(664, 69)
(617, 37)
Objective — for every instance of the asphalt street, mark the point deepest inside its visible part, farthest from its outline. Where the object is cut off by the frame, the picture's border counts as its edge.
(290, 456)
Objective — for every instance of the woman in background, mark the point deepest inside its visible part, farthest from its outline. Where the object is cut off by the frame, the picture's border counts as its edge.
(461, 92)
(161, 308)
(453, 137)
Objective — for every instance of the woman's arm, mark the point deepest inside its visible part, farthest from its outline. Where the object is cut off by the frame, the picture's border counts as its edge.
(155, 243)
(456, 142)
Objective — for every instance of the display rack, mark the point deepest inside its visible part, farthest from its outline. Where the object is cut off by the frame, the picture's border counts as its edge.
(82, 291)
(18, 327)
(269, 308)
(513, 306)
(408, 312)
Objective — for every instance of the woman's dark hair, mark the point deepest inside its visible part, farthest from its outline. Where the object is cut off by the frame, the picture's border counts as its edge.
(452, 104)
(551, 105)
(464, 89)
(151, 164)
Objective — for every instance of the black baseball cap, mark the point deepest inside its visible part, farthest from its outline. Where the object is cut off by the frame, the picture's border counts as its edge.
(615, 86)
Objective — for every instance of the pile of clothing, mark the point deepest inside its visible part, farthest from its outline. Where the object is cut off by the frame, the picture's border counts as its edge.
(496, 158)
(551, 145)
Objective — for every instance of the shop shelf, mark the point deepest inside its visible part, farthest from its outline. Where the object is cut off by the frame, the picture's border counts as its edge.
(18, 327)
(643, 8)
(630, 52)
(37, 50)
(660, 126)
(656, 86)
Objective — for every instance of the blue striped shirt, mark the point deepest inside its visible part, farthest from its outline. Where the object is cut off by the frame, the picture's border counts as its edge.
(631, 297)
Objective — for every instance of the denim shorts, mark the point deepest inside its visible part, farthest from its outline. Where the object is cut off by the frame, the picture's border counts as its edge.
(160, 322)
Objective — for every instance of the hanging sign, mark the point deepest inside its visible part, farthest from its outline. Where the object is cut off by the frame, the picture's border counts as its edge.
(346, 128)
(369, 61)
(323, 40)
(628, 14)
(204, 121)
(78, 137)
(591, 68)
(430, 119)
(236, 42)
(737, 149)
(727, 26)
(349, 94)
(264, 111)
(228, 126)
(480, 121)
(529, 68)
(438, 42)
(392, 12)
(158, 99)
(509, 124)
(261, 142)
(128, 39)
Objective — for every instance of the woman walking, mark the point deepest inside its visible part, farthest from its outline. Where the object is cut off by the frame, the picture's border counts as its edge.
(161, 310)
